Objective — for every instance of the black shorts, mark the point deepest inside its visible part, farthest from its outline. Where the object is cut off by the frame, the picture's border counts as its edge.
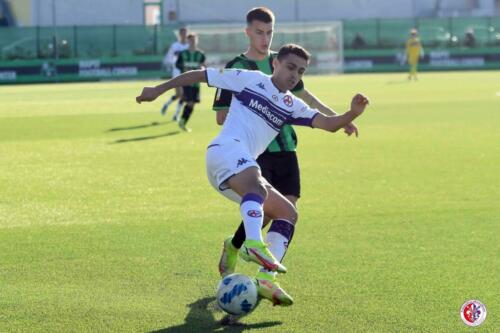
(191, 94)
(281, 170)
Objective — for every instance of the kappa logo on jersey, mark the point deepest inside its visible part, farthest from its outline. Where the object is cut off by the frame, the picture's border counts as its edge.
(238, 72)
(261, 86)
(275, 98)
(241, 161)
(288, 100)
(254, 213)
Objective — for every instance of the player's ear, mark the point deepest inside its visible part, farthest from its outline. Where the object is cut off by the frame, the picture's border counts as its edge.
(276, 62)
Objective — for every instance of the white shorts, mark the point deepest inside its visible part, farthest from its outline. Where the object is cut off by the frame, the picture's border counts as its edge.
(227, 157)
(175, 72)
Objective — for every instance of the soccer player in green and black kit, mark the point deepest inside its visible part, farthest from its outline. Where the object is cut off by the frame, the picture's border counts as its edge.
(278, 163)
(190, 59)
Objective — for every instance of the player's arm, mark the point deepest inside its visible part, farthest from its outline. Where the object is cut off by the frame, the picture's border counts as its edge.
(221, 115)
(334, 123)
(229, 79)
(221, 104)
(149, 94)
(315, 103)
(222, 99)
(203, 61)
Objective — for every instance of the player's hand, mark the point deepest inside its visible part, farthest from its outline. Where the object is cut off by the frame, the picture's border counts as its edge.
(350, 128)
(359, 103)
(148, 94)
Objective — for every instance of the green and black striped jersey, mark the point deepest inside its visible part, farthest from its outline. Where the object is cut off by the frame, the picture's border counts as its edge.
(190, 60)
(286, 139)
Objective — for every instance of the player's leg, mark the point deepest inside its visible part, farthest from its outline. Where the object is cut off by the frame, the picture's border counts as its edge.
(179, 93)
(250, 185)
(177, 96)
(286, 180)
(231, 245)
(280, 233)
(186, 114)
(282, 171)
(284, 215)
(191, 96)
(235, 174)
(165, 106)
(413, 69)
(286, 183)
(266, 167)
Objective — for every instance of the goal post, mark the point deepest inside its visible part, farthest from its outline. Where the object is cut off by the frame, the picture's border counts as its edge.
(324, 40)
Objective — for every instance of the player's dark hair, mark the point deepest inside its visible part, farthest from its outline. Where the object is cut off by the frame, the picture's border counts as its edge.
(192, 35)
(293, 49)
(261, 14)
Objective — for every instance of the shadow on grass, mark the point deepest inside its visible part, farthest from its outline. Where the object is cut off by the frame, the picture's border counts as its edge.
(154, 123)
(201, 319)
(143, 138)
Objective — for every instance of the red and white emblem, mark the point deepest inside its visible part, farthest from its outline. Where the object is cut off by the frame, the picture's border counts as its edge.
(473, 313)
(288, 100)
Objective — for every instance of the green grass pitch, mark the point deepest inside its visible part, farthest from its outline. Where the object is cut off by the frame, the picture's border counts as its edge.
(108, 224)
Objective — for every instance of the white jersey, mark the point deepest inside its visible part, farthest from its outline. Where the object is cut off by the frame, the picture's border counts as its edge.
(174, 50)
(258, 109)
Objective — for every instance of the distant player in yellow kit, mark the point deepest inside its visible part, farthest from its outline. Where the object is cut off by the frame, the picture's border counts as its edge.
(414, 51)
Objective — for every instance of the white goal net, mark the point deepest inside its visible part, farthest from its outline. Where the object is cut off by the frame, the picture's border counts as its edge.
(222, 42)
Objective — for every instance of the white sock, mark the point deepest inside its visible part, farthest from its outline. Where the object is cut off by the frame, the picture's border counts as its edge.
(252, 212)
(178, 110)
(278, 245)
(278, 237)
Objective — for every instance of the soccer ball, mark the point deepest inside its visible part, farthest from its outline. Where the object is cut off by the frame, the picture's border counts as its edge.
(237, 294)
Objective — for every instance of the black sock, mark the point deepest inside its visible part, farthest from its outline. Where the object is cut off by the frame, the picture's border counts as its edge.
(186, 113)
(239, 236)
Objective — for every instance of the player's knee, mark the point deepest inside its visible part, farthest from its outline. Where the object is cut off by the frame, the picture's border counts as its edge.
(261, 190)
(292, 215)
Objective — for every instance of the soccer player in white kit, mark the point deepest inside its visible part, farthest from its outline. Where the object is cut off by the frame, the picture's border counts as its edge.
(169, 61)
(262, 104)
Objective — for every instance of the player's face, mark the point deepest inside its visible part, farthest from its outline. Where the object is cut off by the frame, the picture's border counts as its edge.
(192, 42)
(260, 35)
(183, 34)
(288, 72)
